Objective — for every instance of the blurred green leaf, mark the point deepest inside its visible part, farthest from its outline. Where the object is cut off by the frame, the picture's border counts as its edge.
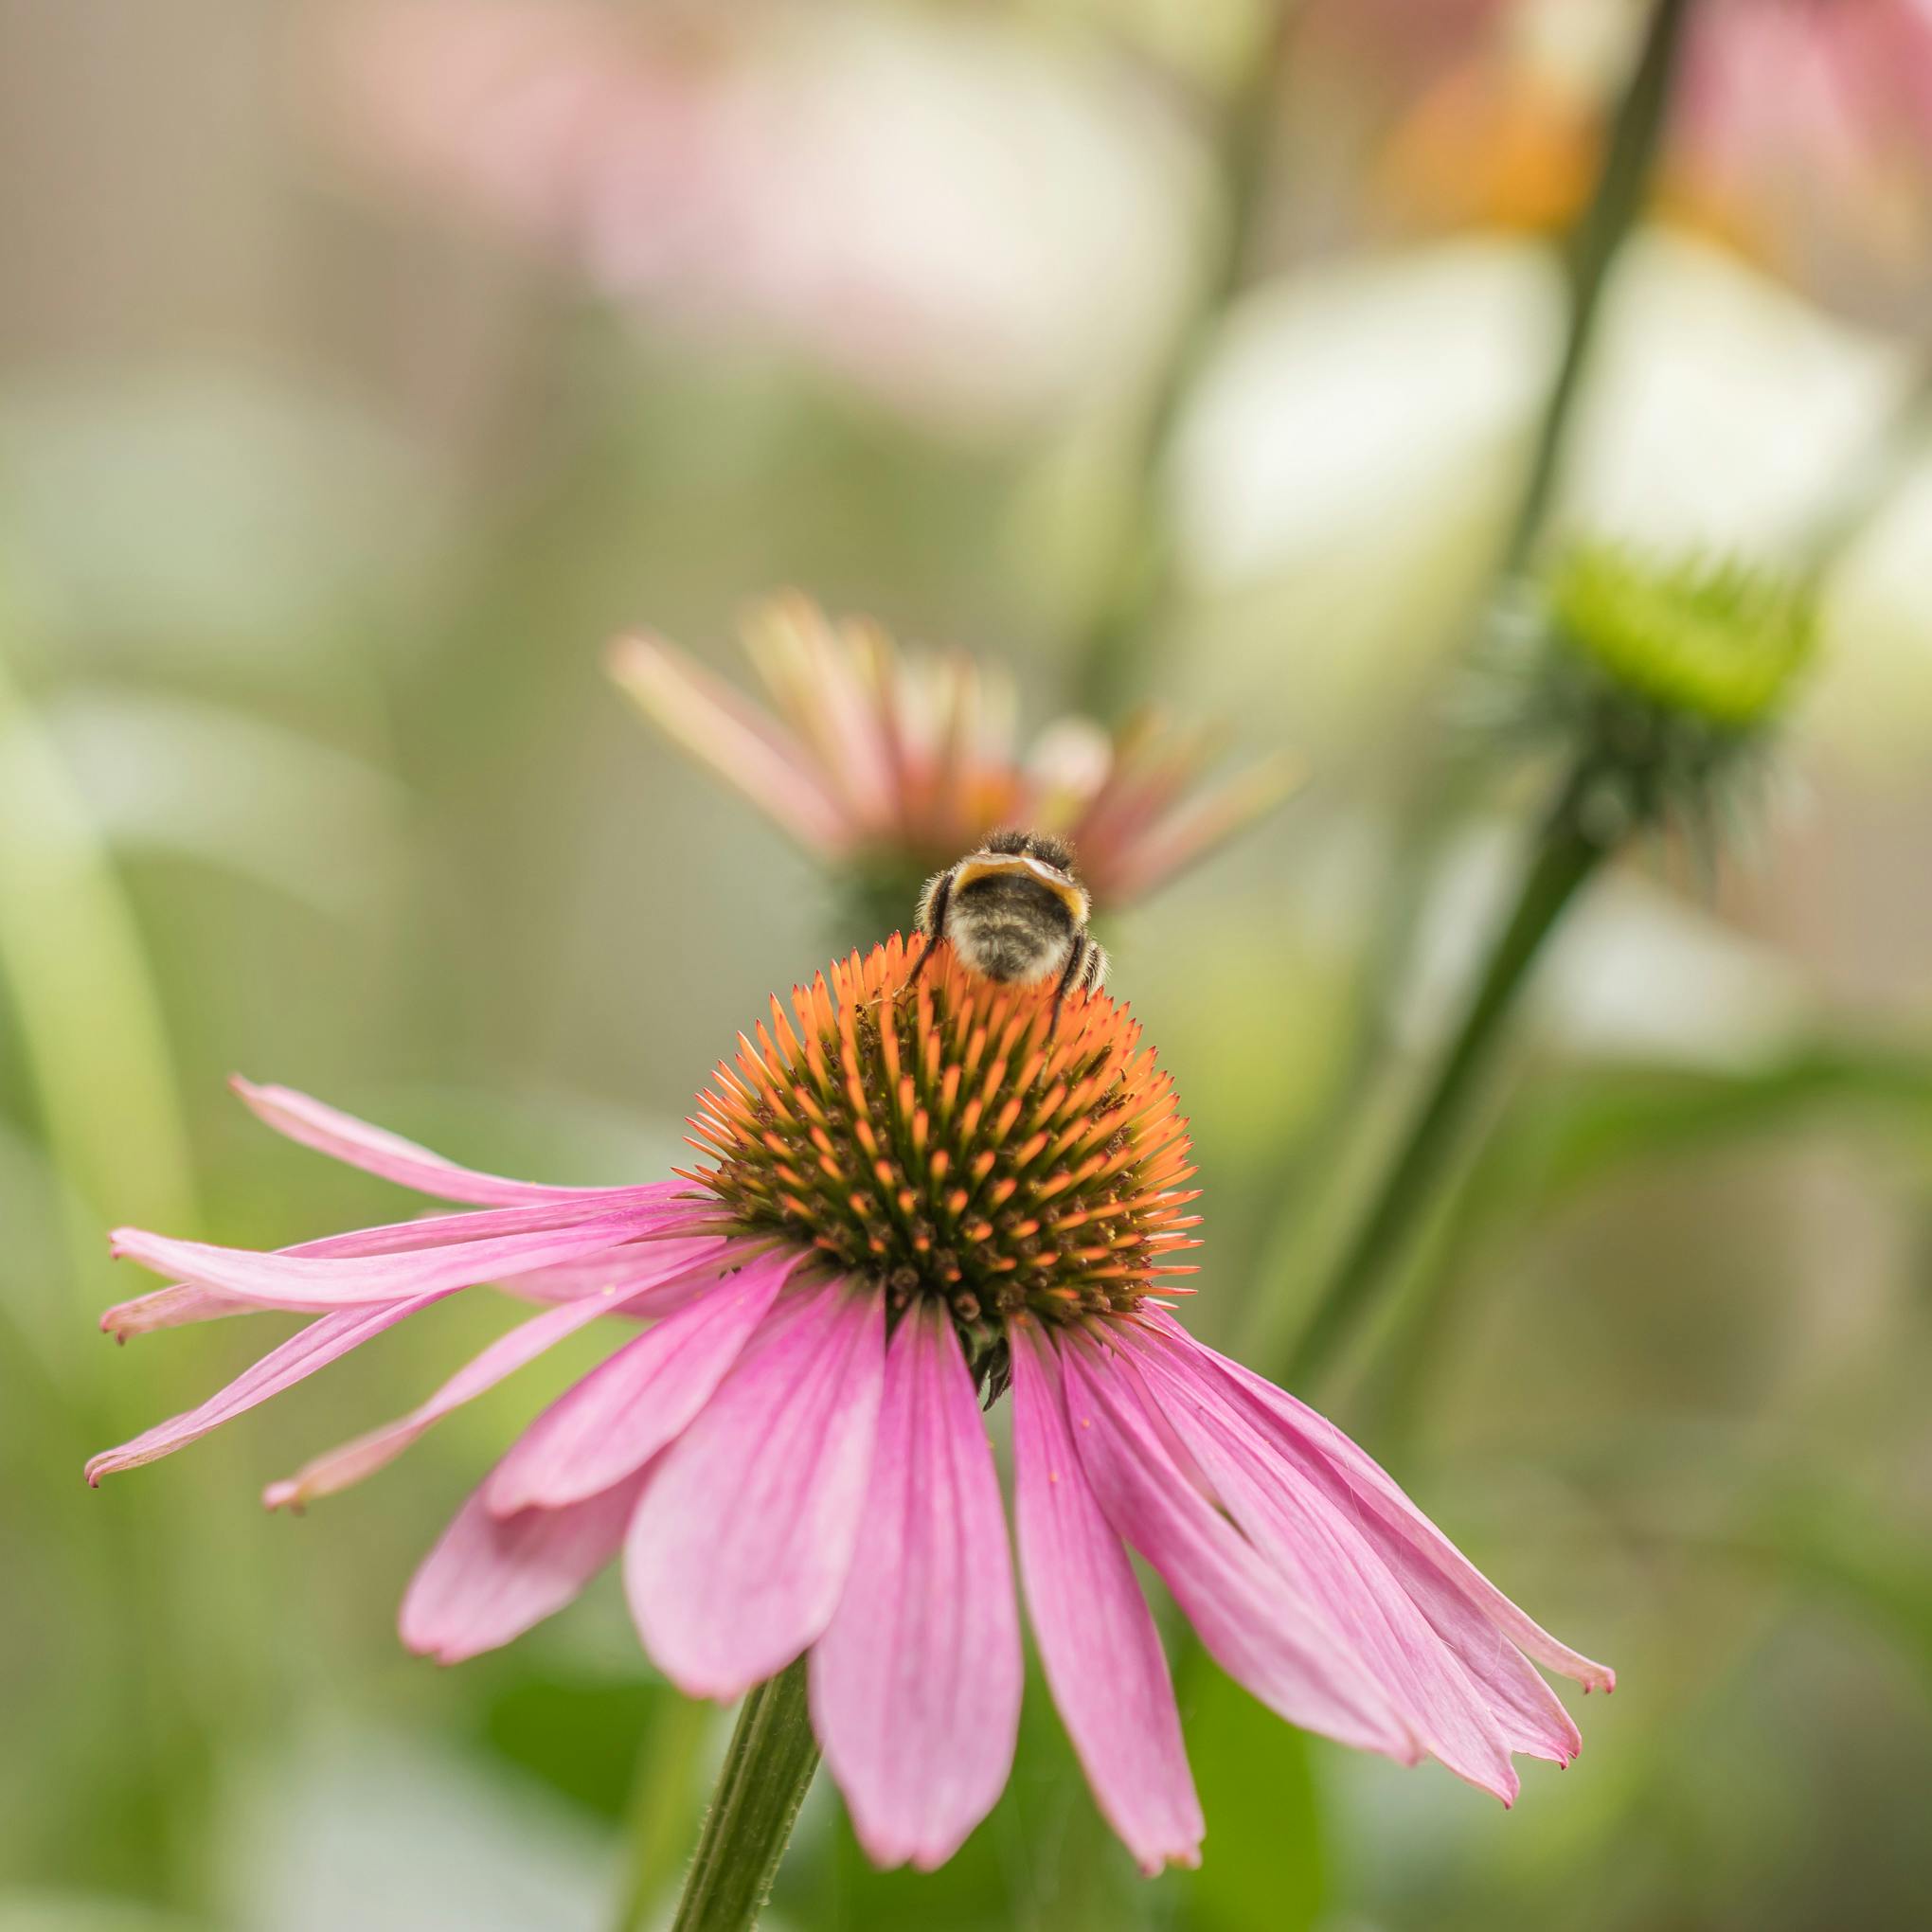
(1571, 1132)
(580, 1737)
(75, 970)
(210, 783)
(1265, 1861)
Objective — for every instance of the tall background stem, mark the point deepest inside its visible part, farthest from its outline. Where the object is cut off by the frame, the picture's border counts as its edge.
(1616, 204)
(1564, 857)
(1614, 209)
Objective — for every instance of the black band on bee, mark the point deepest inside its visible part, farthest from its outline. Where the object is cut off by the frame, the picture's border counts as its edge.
(1013, 843)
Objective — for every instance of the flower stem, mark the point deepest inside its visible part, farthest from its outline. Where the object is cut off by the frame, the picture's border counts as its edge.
(1605, 225)
(767, 1769)
(1564, 857)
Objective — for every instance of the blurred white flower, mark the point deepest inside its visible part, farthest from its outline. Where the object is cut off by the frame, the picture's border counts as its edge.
(1343, 473)
(960, 217)
(1722, 409)
(1350, 391)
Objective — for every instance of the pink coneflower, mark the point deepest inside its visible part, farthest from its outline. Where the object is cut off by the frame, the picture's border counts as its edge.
(1807, 126)
(891, 762)
(915, 1195)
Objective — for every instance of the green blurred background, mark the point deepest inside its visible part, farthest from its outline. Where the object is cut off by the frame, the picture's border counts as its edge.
(364, 370)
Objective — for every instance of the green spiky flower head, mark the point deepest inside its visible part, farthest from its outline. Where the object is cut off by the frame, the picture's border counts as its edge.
(1659, 680)
(1720, 643)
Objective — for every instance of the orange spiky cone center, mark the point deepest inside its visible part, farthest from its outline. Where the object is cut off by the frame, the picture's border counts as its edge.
(949, 1138)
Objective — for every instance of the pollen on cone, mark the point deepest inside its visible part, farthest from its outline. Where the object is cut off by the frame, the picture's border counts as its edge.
(1057, 1186)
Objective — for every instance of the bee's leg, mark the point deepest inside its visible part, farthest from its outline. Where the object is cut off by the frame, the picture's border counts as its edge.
(1071, 977)
(934, 926)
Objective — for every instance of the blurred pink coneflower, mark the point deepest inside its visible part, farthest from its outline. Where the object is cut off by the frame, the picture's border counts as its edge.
(920, 1190)
(974, 227)
(891, 762)
(1808, 125)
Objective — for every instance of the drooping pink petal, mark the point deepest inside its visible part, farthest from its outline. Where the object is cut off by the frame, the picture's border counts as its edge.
(915, 1683)
(313, 1123)
(739, 1549)
(1096, 1635)
(489, 1578)
(626, 1409)
(1282, 1649)
(653, 1275)
(187, 1301)
(1316, 1547)
(324, 1282)
(735, 738)
(627, 1266)
(631, 1265)
(174, 1306)
(354, 1460)
(1435, 1569)
(817, 675)
(323, 1341)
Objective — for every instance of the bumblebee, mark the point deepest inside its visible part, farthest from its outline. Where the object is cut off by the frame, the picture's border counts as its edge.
(1014, 911)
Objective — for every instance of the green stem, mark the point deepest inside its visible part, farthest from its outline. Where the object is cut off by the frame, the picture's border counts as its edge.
(1599, 234)
(766, 1772)
(1565, 855)
(1110, 659)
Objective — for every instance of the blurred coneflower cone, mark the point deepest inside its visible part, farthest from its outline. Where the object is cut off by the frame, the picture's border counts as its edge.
(920, 1189)
(886, 764)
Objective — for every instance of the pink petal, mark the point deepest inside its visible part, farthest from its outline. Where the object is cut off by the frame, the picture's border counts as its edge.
(320, 1343)
(739, 1551)
(322, 1283)
(738, 741)
(1096, 1637)
(367, 1452)
(1280, 1648)
(1191, 829)
(654, 1275)
(626, 1409)
(184, 1303)
(817, 677)
(1324, 1559)
(174, 1306)
(916, 1682)
(327, 1131)
(1436, 1572)
(491, 1577)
